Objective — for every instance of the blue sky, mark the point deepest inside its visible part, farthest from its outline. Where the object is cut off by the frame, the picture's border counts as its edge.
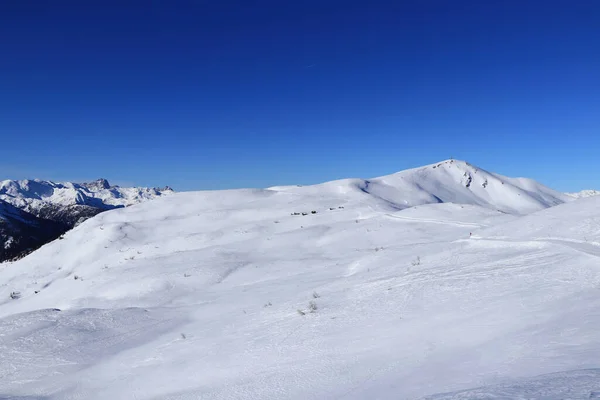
(219, 94)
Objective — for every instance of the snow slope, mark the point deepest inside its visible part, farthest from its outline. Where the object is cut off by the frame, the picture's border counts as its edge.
(207, 295)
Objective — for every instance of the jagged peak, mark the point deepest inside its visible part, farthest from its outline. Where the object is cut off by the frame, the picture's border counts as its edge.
(100, 183)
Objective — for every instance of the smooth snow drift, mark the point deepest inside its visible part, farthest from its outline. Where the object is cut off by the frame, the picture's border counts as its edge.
(231, 295)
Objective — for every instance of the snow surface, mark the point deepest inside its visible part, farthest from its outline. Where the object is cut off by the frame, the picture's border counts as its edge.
(200, 295)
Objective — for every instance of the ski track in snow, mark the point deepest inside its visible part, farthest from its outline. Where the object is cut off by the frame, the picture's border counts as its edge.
(590, 248)
(437, 221)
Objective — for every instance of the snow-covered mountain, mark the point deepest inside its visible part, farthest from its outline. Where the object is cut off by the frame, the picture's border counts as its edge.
(45, 198)
(584, 193)
(64, 204)
(399, 287)
(450, 181)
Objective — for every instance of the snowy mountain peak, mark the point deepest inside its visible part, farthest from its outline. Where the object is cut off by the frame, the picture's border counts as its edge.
(97, 184)
(584, 193)
(449, 181)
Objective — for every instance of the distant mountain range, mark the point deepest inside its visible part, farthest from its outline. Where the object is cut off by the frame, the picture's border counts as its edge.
(584, 193)
(34, 212)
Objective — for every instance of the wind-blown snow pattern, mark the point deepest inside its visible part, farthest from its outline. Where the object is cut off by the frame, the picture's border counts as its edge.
(373, 293)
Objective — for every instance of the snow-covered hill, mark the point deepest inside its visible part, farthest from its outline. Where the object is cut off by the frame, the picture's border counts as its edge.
(238, 295)
(450, 181)
(584, 193)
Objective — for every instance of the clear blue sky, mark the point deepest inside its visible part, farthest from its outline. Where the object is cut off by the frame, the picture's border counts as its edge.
(218, 94)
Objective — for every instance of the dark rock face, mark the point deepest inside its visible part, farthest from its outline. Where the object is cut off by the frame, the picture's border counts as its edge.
(22, 232)
(97, 184)
(70, 215)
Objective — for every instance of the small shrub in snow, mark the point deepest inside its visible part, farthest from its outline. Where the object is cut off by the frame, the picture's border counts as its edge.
(183, 336)
(416, 261)
(316, 295)
(312, 306)
(300, 312)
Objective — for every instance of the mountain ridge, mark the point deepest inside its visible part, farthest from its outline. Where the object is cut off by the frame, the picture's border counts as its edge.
(449, 181)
